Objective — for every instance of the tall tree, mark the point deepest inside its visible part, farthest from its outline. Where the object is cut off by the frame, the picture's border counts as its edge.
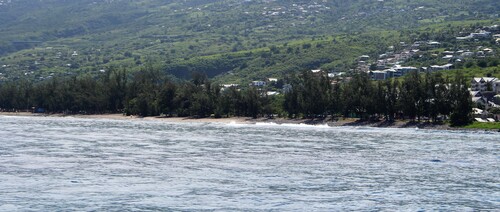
(391, 99)
(357, 96)
(410, 95)
(461, 102)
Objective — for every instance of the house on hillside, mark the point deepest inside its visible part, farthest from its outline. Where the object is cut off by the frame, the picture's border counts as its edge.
(467, 54)
(258, 83)
(476, 94)
(272, 80)
(364, 58)
(481, 34)
(447, 57)
(379, 75)
(485, 84)
(335, 74)
(402, 70)
(433, 43)
(483, 94)
(395, 71)
(440, 68)
(478, 113)
(481, 101)
(272, 93)
(488, 51)
(228, 86)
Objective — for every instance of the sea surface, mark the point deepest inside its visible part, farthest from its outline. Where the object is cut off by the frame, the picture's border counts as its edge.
(75, 164)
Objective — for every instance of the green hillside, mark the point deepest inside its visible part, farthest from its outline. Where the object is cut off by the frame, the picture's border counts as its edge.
(233, 40)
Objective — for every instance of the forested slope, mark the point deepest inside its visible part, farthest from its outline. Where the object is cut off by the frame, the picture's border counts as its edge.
(40, 39)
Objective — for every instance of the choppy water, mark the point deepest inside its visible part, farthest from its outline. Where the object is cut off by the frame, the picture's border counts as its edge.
(51, 164)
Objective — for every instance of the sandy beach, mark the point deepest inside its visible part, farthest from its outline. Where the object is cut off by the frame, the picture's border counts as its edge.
(119, 116)
(248, 120)
(342, 122)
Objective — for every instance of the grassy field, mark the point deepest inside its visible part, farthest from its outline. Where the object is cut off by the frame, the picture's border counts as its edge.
(486, 126)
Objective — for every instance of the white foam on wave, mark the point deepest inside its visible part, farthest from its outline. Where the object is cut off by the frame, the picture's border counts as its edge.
(289, 125)
(266, 124)
(274, 124)
(302, 125)
(235, 124)
(14, 117)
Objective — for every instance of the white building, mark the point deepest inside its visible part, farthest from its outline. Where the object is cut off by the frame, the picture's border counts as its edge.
(440, 68)
(258, 83)
(480, 34)
(402, 70)
(364, 58)
(224, 87)
(272, 79)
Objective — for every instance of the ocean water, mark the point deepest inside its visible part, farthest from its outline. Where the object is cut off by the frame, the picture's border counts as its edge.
(68, 164)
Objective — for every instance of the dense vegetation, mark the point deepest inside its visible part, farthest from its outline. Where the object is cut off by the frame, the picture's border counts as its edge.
(309, 95)
(57, 54)
(39, 39)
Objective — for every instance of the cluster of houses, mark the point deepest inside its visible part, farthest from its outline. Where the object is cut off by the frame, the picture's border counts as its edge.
(485, 92)
(476, 35)
(388, 65)
(47, 57)
(483, 33)
(395, 71)
(295, 9)
(273, 87)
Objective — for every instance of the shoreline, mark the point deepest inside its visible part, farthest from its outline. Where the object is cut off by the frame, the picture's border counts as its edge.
(348, 122)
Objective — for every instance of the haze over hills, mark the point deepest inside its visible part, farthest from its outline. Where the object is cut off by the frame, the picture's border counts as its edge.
(50, 37)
